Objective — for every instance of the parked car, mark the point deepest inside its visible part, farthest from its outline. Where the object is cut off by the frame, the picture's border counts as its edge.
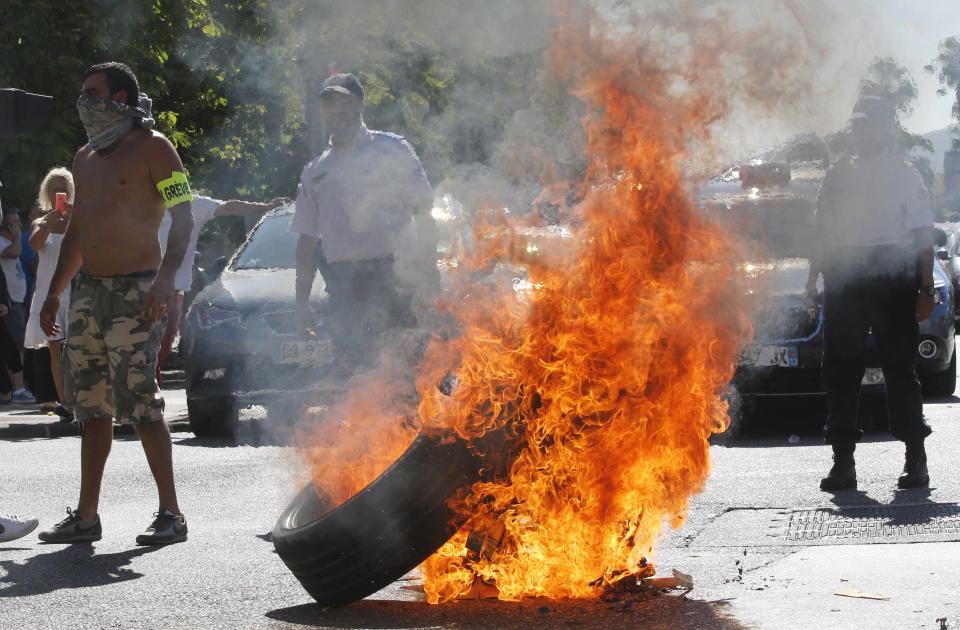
(239, 338)
(948, 252)
(785, 356)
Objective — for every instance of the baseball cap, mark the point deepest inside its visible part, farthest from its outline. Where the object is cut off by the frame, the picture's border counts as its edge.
(344, 83)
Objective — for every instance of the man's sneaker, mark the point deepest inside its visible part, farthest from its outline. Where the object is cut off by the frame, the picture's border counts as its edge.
(13, 527)
(165, 529)
(72, 529)
(23, 396)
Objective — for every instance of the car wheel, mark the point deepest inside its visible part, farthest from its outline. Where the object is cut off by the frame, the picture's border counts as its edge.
(213, 417)
(342, 554)
(942, 384)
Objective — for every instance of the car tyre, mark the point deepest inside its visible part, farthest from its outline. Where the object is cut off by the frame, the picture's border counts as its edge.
(213, 417)
(341, 554)
(942, 384)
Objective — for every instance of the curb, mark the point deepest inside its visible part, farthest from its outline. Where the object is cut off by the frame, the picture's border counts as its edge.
(20, 431)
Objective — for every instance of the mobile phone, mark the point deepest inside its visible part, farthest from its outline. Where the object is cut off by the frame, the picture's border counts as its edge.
(60, 204)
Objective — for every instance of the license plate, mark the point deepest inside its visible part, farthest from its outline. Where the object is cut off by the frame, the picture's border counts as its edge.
(310, 353)
(770, 356)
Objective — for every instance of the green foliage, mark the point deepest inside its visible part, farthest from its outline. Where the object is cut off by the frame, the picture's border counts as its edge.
(946, 67)
(232, 83)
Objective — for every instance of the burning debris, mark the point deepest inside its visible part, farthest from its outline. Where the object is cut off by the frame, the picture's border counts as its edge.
(587, 397)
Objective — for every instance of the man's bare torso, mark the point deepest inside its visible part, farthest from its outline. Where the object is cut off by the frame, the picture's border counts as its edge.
(118, 211)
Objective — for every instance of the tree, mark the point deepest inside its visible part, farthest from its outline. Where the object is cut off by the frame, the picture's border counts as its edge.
(230, 81)
(946, 67)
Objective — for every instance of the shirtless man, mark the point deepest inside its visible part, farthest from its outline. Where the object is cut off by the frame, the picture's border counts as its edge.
(125, 176)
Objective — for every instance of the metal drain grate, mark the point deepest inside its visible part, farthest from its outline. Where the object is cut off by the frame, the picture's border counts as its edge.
(888, 521)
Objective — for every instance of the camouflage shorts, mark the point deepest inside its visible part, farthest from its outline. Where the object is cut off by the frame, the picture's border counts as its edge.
(112, 350)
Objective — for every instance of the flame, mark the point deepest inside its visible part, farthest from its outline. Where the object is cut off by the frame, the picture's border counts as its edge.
(605, 372)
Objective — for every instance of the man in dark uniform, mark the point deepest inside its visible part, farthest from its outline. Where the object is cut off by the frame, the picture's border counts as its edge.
(874, 223)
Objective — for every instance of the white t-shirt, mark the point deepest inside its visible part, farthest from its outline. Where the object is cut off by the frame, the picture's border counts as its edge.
(873, 201)
(203, 209)
(360, 199)
(13, 273)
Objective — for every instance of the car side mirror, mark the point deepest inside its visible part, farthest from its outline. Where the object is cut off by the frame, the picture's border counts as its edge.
(943, 254)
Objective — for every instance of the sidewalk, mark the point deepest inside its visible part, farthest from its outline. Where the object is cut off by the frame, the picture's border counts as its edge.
(23, 422)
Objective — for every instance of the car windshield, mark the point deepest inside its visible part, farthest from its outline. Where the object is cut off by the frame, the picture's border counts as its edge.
(271, 246)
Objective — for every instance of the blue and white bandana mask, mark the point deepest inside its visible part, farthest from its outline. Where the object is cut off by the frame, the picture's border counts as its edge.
(106, 120)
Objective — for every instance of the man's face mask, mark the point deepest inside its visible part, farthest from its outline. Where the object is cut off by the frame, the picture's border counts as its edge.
(106, 120)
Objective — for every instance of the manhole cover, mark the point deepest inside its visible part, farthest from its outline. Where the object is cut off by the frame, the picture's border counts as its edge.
(881, 522)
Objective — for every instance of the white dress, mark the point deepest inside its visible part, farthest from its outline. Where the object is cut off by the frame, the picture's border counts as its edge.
(35, 337)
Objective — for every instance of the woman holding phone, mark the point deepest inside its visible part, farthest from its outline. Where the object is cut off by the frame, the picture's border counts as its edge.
(55, 199)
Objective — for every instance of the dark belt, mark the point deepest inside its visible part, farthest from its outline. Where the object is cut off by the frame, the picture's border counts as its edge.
(137, 275)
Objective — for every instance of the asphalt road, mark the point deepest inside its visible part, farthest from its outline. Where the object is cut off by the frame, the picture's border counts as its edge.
(738, 543)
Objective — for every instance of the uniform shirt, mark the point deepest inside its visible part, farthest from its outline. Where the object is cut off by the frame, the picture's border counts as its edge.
(873, 201)
(358, 199)
(13, 274)
(203, 209)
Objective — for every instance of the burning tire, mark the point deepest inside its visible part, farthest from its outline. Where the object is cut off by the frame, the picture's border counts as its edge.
(345, 553)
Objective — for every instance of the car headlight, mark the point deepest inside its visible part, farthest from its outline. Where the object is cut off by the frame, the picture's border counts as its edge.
(216, 316)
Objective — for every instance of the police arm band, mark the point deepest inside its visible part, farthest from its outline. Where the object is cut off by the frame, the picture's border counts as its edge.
(175, 189)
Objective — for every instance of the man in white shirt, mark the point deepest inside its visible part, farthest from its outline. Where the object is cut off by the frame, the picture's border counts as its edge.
(367, 197)
(875, 251)
(204, 210)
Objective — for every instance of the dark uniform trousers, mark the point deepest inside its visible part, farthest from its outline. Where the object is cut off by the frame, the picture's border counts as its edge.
(364, 301)
(871, 289)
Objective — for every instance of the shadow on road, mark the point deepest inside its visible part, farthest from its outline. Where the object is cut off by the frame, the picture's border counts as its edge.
(73, 566)
(253, 433)
(659, 613)
(859, 498)
(798, 422)
(206, 442)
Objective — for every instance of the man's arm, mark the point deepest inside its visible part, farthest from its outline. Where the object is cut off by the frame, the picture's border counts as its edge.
(923, 240)
(306, 272)
(70, 260)
(919, 219)
(249, 210)
(824, 206)
(306, 225)
(164, 162)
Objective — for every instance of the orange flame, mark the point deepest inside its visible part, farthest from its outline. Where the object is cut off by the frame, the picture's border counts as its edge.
(608, 367)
